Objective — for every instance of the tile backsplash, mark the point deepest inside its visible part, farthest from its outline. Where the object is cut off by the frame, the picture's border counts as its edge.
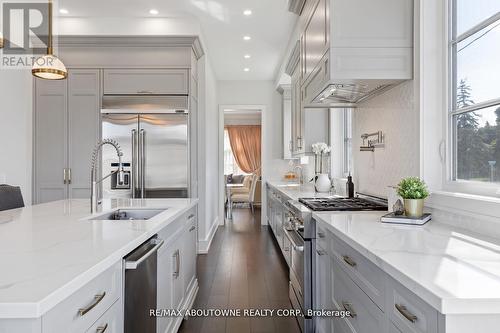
(394, 113)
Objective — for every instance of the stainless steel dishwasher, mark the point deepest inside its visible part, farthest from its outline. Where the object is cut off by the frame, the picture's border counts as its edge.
(140, 287)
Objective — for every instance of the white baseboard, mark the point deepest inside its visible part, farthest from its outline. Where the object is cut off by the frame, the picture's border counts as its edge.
(204, 244)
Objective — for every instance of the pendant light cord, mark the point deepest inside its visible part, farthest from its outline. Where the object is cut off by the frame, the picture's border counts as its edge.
(49, 42)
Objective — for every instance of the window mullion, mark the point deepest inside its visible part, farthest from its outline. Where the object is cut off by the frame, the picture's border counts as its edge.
(478, 27)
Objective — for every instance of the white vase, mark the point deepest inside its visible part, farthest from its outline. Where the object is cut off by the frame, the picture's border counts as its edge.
(323, 183)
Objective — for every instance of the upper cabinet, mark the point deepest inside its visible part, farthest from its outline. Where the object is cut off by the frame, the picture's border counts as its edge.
(146, 81)
(66, 128)
(314, 40)
(352, 49)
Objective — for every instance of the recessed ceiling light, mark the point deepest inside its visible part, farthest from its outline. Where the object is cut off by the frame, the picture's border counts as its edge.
(63, 11)
(247, 12)
(247, 37)
(246, 69)
(247, 56)
(153, 11)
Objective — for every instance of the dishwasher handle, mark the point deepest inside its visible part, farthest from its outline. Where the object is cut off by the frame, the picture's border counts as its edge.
(134, 263)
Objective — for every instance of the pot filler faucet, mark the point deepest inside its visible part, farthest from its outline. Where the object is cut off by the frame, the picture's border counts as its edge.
(94, 198)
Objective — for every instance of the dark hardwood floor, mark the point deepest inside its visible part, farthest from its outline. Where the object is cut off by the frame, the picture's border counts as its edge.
(243, 269)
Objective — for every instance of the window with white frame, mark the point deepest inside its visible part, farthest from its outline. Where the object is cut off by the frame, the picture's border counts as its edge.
(474, 113)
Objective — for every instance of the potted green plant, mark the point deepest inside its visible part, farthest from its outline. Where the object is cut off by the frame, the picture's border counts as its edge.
(413, 191)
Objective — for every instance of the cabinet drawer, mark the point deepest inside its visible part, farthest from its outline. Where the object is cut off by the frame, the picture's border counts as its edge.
(407, 311)
(364, 273)
(80, 310)
(146, 81)
(111, 321)
(367, 317)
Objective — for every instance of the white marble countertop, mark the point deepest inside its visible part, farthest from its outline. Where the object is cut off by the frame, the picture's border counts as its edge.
(294, 192)
(454, 270)
(49, 251)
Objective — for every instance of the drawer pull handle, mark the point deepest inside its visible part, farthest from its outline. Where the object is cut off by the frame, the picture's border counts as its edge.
(407, 314)
(349, 261)
(192, 228)
(348, 307)
(97, 299)
(321, 235)
(190, 216)
(101, 329)
(320, 252)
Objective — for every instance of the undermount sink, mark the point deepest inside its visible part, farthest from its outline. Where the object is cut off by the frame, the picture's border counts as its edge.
(128, 214)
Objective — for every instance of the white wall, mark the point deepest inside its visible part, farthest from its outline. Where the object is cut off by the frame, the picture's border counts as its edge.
(208, 121)
(16, 129)
(394, 113)
(261, 93)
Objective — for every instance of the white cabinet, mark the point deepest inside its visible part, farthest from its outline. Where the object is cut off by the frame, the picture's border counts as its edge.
(323, 291)
(365, 317)
(110, 322)
(81, 310)
(308, 125)
(66, 128)
(314, 40)
(190, 251)
(345, 279)
(286, 111)
(176, 282)
(170, 285)
(146, 81)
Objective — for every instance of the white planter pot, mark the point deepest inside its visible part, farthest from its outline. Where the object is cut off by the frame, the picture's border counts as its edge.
(323, 183)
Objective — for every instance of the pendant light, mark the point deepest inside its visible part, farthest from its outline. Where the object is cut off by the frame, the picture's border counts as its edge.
(49, 66)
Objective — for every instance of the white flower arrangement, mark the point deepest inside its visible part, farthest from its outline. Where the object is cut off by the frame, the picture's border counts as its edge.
(320, 148)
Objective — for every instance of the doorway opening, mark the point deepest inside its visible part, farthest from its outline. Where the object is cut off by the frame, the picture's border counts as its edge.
(240, 159)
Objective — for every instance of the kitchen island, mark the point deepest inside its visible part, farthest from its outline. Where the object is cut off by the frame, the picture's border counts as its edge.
(50, 252)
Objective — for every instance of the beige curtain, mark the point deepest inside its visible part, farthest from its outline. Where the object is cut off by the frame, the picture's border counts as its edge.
(246, 146)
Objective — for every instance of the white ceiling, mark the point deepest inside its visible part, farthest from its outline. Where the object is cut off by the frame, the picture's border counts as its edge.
(223, 26)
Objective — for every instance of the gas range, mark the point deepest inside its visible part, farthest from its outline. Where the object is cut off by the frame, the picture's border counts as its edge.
(344, 204)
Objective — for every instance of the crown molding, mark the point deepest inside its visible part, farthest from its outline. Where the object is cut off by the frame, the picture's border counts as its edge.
(132, 41)
(293, 60)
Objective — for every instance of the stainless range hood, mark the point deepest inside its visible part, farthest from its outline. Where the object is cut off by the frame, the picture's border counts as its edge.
(335, 93)
(347, 55)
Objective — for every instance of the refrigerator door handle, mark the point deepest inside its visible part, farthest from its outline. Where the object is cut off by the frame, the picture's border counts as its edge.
(142, 161)
(133, 174)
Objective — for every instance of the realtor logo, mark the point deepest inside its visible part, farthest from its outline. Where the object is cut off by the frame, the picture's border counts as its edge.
(24, 23)
(25, 27)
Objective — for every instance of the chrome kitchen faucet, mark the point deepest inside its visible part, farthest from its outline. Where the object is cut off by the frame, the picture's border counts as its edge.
(94, 200)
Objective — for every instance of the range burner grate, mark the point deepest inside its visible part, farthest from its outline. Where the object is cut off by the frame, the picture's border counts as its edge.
(342, 204)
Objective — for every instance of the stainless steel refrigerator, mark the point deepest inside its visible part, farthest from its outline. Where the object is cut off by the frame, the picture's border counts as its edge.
(153, 134)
